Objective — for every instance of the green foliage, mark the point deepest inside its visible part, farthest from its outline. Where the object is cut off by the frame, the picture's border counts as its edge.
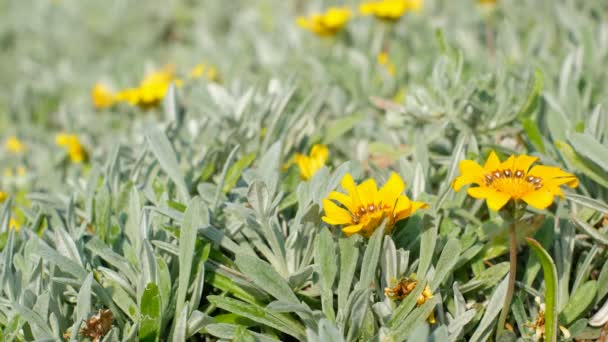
(188, 222)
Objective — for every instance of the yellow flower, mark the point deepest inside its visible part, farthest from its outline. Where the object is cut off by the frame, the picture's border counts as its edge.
(309, 165)
(102, 96)
(487, 2)
(151, 89)
(364, 207)
(325, 24)
(404, 287)
(13, 224)
(14, 145)
(201, 70)
(383, 59)
(390, 10)
(72, 146)
(3, 196)
(514, 179)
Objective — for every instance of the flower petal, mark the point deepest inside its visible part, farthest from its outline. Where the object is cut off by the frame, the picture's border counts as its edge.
(335, 215)
(524, 162)
(470, 172)
(539, 199)
(352, 229)
(391, 190)
(492, 163)
(368, 191)
(349, 185)
(319, 153)
(344, 199)
(554, 175)
(495, 199)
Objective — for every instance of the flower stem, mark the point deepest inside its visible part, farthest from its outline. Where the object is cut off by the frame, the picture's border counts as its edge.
(511, 285)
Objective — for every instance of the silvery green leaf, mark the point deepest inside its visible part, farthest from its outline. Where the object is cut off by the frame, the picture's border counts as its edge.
(349, 258)
(264, 276)
(428, 239)
(446, 262)
(166, 156)
(325, 260)
(370, 259)
(484, 329)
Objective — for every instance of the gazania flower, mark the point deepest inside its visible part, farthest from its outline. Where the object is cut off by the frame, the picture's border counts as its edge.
(390, 10)
(513, 179)
(102, 96)
(363, 208)
(13, 224)
(309, 165)
(404, 287)
(384, 60)
(325, 24)
(14, 145)
(72, 146)
(151, 89)
(202, 70)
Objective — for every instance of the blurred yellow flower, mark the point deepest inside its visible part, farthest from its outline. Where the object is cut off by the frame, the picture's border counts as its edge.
(102, 96)
(14, 145)
(13, 224)
(487, 2)
(309, 165)
(364, 207)
(390, 10)
(326, 24)
(151, 90)
(404, 287)
(384, 60)
(203, 70)
(71, 144)
(3, 196)
(514, 179)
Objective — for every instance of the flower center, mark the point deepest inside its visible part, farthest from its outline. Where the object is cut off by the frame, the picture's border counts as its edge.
(368, 209)
(512, 182)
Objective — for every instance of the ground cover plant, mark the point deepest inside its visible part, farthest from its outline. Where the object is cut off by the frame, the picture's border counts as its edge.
(304, 170)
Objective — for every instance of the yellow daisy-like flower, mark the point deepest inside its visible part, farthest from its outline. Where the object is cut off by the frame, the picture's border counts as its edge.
(487, 2)
(151, 89)
(325, 24)
(364, 207)
(384, 60)
(72, 146)
(3, 196)
(13, 224)
(102, 96)
(390, 10)
(14, 145)
(515, 178)
(203, 70)
(309, 165)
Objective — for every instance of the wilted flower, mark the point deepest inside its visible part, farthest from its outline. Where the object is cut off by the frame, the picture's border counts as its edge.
(364, 207)
(539, 324)
(404, 287)
(309, 165)
(14, 145)
(102, 96)
(98, 325)
(72, 146)
(500, 182)
(384, 60)
(325, 24)
(390, 10)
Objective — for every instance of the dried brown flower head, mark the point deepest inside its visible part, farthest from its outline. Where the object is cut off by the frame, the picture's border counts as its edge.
(98, 325)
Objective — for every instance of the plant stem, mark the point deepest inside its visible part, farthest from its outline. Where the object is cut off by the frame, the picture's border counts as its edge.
(511, 285)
